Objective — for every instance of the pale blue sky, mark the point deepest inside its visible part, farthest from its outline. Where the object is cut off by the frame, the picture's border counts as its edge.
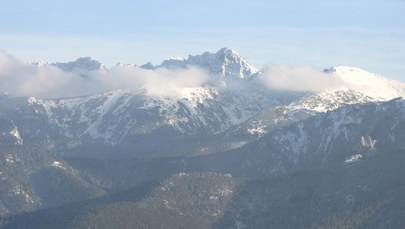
(365, 33)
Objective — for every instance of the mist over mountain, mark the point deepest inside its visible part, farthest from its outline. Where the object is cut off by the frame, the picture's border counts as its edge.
(207, 141)
(87, 76)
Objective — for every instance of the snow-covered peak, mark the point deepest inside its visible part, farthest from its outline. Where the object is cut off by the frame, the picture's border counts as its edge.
(229, 53)
(225, 63)
(357, 86)
(81, 64)
(370, 84)
(361, 74)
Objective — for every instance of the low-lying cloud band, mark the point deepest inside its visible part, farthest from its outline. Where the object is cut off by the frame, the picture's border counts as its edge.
(48, 81)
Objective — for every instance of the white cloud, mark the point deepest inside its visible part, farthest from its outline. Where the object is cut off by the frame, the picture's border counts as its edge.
(155, 82)
(22, 79)
(300, 78)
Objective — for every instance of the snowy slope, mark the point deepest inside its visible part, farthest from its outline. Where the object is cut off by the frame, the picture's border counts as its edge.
(76, 117)
(113, 115)
(359, 86)
(369, 84)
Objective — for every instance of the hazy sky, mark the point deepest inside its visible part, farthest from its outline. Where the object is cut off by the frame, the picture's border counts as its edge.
(365, 33)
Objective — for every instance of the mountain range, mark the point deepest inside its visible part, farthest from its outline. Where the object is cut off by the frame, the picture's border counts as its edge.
(235, 151)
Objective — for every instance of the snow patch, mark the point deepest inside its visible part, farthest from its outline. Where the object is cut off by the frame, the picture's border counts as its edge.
(10, 158)
(18, 190)
(16, 134)
(353, 159)
(257, 128)
(183, 174)
(368, 142)
(58, 165)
